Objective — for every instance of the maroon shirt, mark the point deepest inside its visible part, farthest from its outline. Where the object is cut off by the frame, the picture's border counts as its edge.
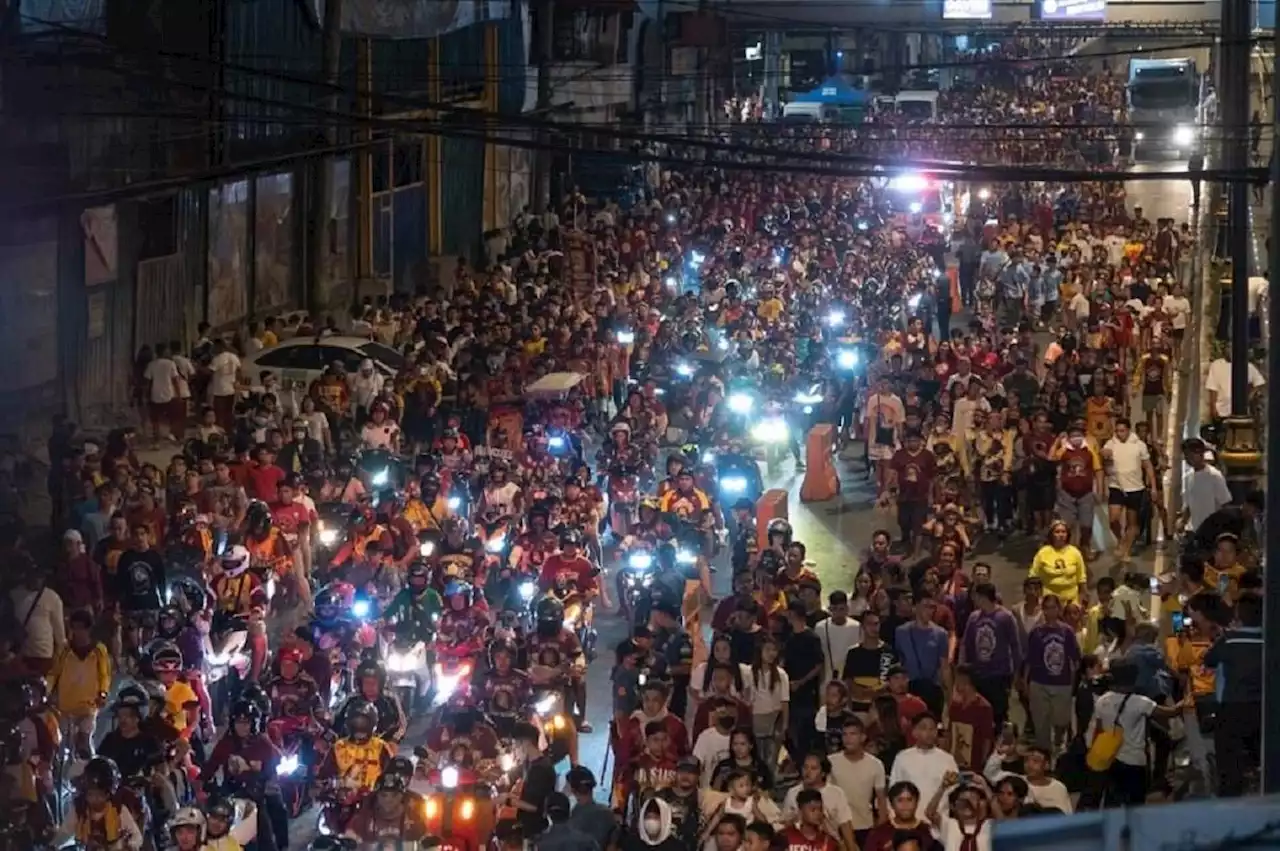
(915, 474)
(971, 727)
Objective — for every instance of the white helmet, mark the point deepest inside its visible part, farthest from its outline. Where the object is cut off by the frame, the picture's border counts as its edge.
(235, 560)
(188, 817)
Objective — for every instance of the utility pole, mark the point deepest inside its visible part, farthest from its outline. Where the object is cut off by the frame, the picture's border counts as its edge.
(1271, 545)
(545, 55)
(1240, 455)
(315, 288)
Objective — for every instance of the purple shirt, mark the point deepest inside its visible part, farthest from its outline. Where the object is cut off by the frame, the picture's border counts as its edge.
(991, 646)
(1052, 654)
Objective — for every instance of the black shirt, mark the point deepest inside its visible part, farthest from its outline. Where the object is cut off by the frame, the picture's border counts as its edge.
(867, 663)
(1237, 658)
(140, 581)
(802, 654)
(130, 754)
(539, 782)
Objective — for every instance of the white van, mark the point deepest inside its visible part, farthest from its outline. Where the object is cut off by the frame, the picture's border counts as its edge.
(805, 113)
(917, 105)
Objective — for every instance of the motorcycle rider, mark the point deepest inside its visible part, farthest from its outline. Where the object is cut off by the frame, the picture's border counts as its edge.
(129, 745)
(292, 517)
(537, 464)
(745, 540)
(462, 726)
(618, 450)
(371, 681)
(363, 529)
(550, 633)
(391, 514)
(454, 457)
(223, 831)
(186, 634)
(359, 757)
(250, 758)
(462, 625)
(290, 686)
(99, 816)
(140, 584)
(505, 689)
(536, 543)
(269, 550)
(389, 816)
(240, 594)
(187, 830)
(380, 432)
(568, 570)
(181, 705)
(425, 508)
(500, 494)
(417, 603)
(676, 464)
(686, 501)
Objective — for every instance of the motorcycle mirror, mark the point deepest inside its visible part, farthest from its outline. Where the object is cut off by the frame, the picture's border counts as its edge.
(595, 571)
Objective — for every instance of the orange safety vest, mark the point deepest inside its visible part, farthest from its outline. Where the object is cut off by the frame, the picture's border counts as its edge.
(362, 541)
(265, 552)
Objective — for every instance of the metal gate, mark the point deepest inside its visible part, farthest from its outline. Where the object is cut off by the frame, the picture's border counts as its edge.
(162, 300)
(105, 351)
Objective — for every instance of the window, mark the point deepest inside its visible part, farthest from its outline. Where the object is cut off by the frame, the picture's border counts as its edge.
(279, 358)
(408, 162)
(385, 354)
(350, 357)
(311, 358)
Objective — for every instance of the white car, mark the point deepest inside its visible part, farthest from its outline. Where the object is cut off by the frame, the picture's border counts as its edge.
(304, 359)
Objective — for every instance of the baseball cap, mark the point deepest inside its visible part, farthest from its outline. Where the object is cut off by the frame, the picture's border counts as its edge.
(557, 804)
(581, 779)
(689, 763)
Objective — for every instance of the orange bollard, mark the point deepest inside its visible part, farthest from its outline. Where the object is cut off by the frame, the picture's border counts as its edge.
(771, 505)
(821, 482)
(957, 304)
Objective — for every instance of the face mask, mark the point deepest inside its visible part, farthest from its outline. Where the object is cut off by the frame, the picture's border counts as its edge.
(652, 826)
(1077, 442)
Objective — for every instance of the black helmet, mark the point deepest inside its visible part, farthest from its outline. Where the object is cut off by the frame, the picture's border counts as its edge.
(400, 765)
(188, 594)
(370, 668)
(391, 782)
(132, 696)
(221, 808)
(430, 482)
(258, 696)
(570, 537)
(418, 570)
(169, 623)
(247, 710)
(779, 526)
(550, 611)
(676, 458)
(257, 518)
(362, 709)
(103, 774)
(329, 604)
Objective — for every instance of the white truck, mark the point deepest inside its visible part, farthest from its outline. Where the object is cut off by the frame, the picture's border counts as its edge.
(1163, 98)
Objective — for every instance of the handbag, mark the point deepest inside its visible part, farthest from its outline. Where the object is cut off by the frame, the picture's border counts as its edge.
(884, 433)
(1106, 743)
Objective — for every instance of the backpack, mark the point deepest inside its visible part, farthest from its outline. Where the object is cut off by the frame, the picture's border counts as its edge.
(1106, 743)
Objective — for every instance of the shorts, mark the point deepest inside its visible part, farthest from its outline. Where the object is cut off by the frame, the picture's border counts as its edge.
(1153, 404)
(881, 451)
(1075, 510)
(1130, 500)
(1040, 495)
(911, 516)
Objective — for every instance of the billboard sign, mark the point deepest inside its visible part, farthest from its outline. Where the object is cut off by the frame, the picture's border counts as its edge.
(966, 10)
(1073, 10)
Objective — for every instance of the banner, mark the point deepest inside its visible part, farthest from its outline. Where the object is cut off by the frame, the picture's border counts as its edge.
(37, 16)
(966, 10)
(1073, 10)
(413, 18)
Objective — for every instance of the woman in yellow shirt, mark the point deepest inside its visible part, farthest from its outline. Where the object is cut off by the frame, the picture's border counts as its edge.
(1060, 567)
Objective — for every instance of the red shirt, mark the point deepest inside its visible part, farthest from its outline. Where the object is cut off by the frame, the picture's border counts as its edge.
(915, 474)
(290, 519)
(971, 727)
(793, 839)
(577, 572)
(909, 706)
(264, 482)
(881, 837)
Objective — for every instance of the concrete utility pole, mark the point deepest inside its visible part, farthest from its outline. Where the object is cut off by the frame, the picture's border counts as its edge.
(315, 292)
(772, 73)
(542, 156)
(1240, 455)
(1271, 577)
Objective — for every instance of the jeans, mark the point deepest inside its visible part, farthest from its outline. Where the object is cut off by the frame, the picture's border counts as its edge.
(997, 507)
(1200, 745)
(996, 690)
(1237, 740)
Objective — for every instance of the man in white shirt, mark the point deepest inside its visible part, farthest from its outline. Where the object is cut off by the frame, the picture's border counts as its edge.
(1218, 385)
(813, 775)
(1205, 490)
(926, 765)
(1130, 477)
(837, 633)
(225, 369)
(1178, 307)
(162, 374)
(860, 776)
(38, 610)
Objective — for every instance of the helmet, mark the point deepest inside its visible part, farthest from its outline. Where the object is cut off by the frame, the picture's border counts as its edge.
(449, 433)
(132, 697)
(171, 616)
(221, 808)
(458, 589)
(103, 774)
(779, 526)
(676, 458)
(188, 594)
(258, 696)
(156, 693)
(257, 518)
(329, 604)
(246, 710)
(235, 560)
(359, 708)
(550, 611)
(400, 765)
(391, 781)
(650, 503)
(164, 656)
(430, 482)
(418, 570)
(571, 538)
(620, 426)
(370, 668)
(188, 817)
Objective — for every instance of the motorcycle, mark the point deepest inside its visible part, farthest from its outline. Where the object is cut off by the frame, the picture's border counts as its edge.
(452, 672)
(624, 500)
(381, 469)
(408, 673)
(548, 709)
(331, 531)
(578, 618)
(293, 772)
(227, 663)
(634, 578)
(338, 805)
(459, 809)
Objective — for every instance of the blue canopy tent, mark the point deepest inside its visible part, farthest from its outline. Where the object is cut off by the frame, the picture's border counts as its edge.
(833, 100)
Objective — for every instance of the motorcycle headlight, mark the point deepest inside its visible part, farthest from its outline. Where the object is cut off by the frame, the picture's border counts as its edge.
(686, 557)
(287, 765)
(741, 403)
(683, 369)
(556, 442)
(984, 193)
(640, 561)
(380, 478)
(626, 338)
(1184, 136)
(427, 548)
(507, 762)
(807, 398)
(494, 545)
(670, 282)
(527, 590)
(401, 662)
(449, 778)
(361, 608)
(915, 207)
(722, 344)
(734, 484)
(708, 457)
(914, 302)
(546, 705)
(835, 318)
(773, 430)
(454, 503)
(847, 359)
(328, 537)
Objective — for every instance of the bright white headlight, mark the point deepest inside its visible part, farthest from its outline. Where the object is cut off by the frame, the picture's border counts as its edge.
(380, 477)
(772, 430)
(626, 338)
(708, 457)
(1183, 135)
(741, 403)
(527, 590)
(507, 762)
(360, 608)
(847, 359)
(544, 706)
(640, 561)
(287, 765)
(734, 484)
(914, 302)
(686, 557)
(835, 318)
(328, 537)
(684, 369)
(455, 503)
(495, 545)
(449, 778)
(426, 548)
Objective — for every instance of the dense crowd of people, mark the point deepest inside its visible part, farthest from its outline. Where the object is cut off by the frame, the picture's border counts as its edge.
(1006, 373)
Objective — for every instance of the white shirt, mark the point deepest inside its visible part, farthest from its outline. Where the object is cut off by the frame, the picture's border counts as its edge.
(1178, 308)
(860, 780)
(953, 837)
(1052, 794)
(163, 374)
(1205, 492)
(1257, 289)
(1080, 306)
(1124, 460)
(765, 700)
(964, 411)
(1219, 381)
(924, 768)
(836, 640)
(834, 806)
(1133, 722)
(365, 388)
(225, 367)
(45, 632)
(711, 747)
(185, 371)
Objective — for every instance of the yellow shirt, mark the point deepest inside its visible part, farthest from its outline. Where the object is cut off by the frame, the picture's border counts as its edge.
(770, 310)
(76, 682)
(359, 763)
(1061, 571)
(1225, 582)
(177, 698)
(269, 339)
(1186, 656)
